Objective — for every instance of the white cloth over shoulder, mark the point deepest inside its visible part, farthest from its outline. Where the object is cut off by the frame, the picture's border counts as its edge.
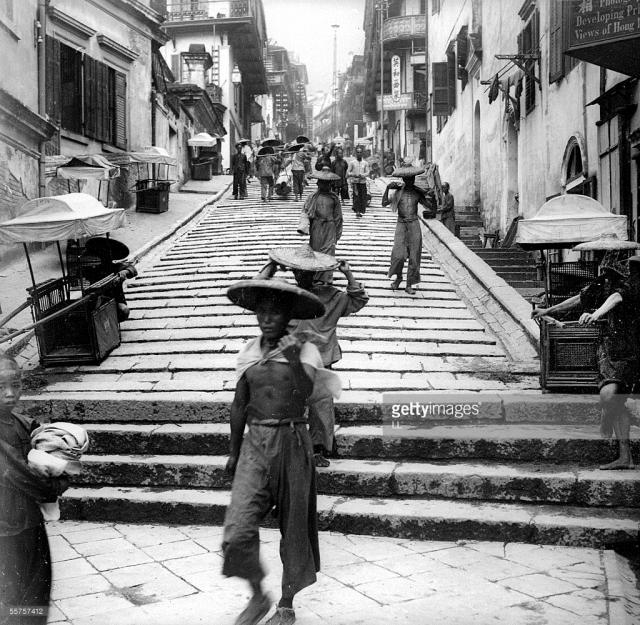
(326, 382)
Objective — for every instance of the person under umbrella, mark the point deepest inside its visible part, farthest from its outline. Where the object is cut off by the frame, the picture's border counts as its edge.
(104, 257)
(407, 242)
(272, 464)
(305, 264)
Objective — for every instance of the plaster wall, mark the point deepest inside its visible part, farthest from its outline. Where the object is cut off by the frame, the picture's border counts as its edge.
(453, 146)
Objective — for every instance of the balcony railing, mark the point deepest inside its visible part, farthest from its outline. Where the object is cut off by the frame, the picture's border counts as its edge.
(405, 27)
(195, 10)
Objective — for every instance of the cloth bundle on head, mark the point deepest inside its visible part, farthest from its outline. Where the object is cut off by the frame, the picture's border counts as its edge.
(57, 448)
(326, 174)
(407, 172)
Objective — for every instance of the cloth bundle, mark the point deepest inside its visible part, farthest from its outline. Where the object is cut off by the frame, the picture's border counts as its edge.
(57, 448)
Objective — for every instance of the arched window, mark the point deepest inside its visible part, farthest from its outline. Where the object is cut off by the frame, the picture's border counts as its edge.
(574, 177)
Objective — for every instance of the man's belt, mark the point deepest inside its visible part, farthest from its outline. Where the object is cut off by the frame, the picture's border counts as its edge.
(277, 422)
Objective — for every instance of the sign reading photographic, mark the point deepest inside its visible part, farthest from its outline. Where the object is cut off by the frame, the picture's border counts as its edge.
(606, 33)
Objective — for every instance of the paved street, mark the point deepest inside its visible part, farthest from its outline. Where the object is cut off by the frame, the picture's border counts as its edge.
(166, 575)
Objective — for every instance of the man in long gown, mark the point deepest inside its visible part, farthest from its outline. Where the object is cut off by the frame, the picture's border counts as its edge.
(321, 218)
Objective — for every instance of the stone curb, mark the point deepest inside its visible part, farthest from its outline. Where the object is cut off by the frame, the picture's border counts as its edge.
(621, 591)
(506, 296)
(150, 245)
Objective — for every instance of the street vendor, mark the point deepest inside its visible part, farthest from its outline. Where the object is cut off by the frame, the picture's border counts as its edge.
(104, 257)
(272, 463)
(616, 295)
(306, 264)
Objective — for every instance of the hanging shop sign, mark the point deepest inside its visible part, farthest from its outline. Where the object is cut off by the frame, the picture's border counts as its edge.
(404, 102)
(606, 33)
(395, 78)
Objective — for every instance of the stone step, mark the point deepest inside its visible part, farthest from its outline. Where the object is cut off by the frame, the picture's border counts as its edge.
(480, 481)
(429, 519)
(545, 444)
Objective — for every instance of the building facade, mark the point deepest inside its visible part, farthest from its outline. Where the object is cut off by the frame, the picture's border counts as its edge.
(395, 31)
(77, 80)
(518, 118)
(219, 46)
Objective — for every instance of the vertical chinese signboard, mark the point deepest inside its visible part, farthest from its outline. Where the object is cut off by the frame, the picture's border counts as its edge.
(606, 33)
(395, 78)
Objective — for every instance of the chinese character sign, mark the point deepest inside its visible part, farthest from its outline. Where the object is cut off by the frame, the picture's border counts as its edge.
(395, 78)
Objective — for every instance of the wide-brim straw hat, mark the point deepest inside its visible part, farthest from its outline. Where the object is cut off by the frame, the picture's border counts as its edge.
(407, 172)
(266, 149)
(607, 241)
(271, 142)
(110, 249)
(298, 303)
(242, 141)
(325, 174)
(302, 139)
(303, 258)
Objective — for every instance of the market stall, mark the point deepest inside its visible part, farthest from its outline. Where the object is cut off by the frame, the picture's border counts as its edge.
(80, 330)
(568, 350)
(152, 187)
(204, 156)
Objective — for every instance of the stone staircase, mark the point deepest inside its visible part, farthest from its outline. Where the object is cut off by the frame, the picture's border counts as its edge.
(512, 264)
(157, 408)
(507, 481)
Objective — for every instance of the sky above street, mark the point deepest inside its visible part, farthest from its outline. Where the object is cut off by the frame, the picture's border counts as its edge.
(304, 27)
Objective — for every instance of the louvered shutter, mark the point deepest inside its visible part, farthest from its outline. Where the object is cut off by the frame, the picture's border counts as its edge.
(53, 79)
(120, 121)
(70, 89)
(440, 75)
(452, 75)
(104, 125)
(556, 57)
(89, 93)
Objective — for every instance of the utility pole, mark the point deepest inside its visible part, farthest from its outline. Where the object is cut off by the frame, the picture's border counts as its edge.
(381, 7)
(334, 114)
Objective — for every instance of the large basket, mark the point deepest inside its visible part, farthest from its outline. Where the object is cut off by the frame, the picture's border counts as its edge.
(568, 356)
(567, 279)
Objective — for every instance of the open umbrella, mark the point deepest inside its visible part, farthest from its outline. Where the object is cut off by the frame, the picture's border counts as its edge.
(271, 142)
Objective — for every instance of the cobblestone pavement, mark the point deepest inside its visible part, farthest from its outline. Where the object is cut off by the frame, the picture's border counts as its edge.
(119, 574)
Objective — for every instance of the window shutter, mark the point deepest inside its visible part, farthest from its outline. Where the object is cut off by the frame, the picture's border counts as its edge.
(103, 86)
(452, 74)
(89, 91)
(175, 67)
(120, 121)
(70, 89)
(53, 78)
(556, 56)
(440, 75)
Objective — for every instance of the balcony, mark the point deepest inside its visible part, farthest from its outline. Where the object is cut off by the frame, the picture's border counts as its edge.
(404, 28)
(242, 20)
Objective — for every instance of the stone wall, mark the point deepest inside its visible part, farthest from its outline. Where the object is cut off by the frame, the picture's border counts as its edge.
(498, 306)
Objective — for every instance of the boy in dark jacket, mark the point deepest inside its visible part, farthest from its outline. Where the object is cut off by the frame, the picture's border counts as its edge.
(25, 564)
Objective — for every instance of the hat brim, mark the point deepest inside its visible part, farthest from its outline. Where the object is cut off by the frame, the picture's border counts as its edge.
(606, 244)
(266, 150)
(328, 177)
(106, 248)
(290, 257)
(407, 172)
(296, 302)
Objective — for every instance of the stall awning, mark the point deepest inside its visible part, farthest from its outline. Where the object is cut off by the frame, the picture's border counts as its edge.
(606, 34)
(203, 140)
(60, 217)
(94, 166)
(568, 219)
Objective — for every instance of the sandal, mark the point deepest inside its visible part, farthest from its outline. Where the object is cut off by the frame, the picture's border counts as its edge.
(320, 460)
(256, 609)
(282, 616)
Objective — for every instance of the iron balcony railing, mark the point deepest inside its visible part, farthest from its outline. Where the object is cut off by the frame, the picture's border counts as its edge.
(195, 10)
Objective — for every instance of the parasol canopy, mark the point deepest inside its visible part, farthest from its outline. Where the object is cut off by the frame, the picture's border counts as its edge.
(59, 217)
(568, 219)
(86, 166)
(203, 140)
(151, 155)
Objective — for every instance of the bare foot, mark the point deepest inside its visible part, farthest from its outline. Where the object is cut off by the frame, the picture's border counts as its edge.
(395, 284)
(410, 290)
(620, 464)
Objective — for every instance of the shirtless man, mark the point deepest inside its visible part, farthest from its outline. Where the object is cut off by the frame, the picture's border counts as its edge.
(407, 242)
(273, 463)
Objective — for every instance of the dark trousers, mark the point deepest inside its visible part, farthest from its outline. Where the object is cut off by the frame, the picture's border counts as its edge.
(359, 198)
(25, 577)
(240, 184)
